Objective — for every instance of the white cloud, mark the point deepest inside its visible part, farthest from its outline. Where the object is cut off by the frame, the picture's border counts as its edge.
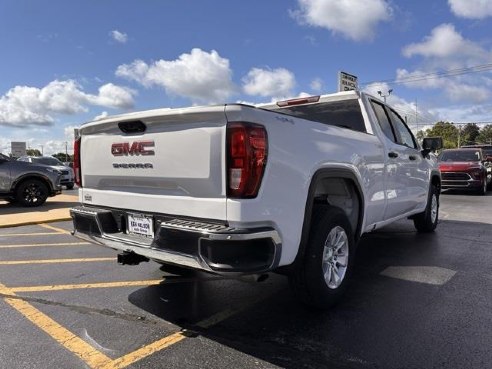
(418, 79)
(269, 83)
(316, 84)
(463, 92)
(354, 19)
(473, 9)
(444, 50)
(103, 115)
(200, 76)
(416, 116)
(444, 41)
(118, 36)
(23, 105)
(465, 114)
(113, 96)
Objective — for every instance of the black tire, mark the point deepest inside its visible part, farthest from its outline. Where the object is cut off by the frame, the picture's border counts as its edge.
(482, 191)
(70, 186)
(308, 278)
(32, 192)
(426, 221)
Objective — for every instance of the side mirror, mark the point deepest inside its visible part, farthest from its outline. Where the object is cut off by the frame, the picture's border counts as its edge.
(431, 144)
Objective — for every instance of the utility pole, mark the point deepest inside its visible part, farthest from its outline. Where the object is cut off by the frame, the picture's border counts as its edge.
(42, 151)
(66, 151)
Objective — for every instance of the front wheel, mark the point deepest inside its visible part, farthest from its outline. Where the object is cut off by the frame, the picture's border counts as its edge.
(482, 191)
(32, 192)
(427, 221)
(321, 277)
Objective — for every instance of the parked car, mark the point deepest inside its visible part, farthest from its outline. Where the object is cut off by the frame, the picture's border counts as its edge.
(67, 172)
(465, 168)
(26, 183)
(487, 151)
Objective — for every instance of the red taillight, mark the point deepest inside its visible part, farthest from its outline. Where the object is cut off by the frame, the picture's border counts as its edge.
(76, 162)
(247, 146)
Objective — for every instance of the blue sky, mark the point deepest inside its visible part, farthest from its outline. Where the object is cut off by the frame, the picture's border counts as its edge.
(66, 62)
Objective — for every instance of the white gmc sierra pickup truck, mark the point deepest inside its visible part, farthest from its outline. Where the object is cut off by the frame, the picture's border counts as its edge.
(236, 189)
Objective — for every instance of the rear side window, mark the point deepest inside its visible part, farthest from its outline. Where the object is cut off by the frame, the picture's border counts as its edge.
(344, 113)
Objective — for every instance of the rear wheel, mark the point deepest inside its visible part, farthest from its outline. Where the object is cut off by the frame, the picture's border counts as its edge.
(70, 186)
(427, 221)
(322, 276)
(32, 192)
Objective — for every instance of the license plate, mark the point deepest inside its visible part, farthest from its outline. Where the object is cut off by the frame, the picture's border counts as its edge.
(141, 225)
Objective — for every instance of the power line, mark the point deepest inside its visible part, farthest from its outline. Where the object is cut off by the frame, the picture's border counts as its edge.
(434, 75)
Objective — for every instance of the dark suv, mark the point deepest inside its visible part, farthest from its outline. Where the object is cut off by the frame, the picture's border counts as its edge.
(26, 183)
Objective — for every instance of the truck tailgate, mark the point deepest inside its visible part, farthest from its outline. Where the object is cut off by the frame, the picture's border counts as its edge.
(176, 166)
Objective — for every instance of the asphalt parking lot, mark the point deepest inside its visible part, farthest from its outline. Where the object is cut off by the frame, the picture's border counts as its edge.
(416, 301)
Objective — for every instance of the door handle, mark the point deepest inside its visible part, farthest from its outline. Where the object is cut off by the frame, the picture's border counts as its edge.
(393, 154)
(412, 157)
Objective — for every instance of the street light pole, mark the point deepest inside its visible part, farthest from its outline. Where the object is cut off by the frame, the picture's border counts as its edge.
(385, 96)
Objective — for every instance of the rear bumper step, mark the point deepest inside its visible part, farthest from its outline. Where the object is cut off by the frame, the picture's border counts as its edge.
(202, 245)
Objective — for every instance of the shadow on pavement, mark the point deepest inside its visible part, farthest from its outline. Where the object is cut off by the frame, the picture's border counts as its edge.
(381, 322)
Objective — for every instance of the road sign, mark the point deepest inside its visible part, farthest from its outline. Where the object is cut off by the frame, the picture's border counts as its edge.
(346, 82)
(18, 149)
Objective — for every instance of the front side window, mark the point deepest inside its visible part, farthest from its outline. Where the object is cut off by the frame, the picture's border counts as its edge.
(383, 120)
(404, 135)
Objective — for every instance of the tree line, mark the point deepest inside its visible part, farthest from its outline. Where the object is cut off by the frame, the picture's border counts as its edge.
(457, 135)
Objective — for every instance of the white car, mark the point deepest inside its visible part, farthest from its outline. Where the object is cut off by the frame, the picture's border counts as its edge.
(67, 178)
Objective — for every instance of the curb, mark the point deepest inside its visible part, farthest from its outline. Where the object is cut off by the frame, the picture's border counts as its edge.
(35, 222)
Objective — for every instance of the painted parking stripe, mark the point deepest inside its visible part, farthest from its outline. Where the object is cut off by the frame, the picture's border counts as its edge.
(145, 351)
(55, 261)
(29, 234)
(44, 245)
(422, 274)
(65, 287)
(58, 230)
(92, 357)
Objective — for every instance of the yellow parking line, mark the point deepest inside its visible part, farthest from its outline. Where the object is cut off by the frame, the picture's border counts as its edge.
(63, 287)
(29, 234)
(44, 245)
(54, 261)
(92, 357)
(58, 230)
(145, 351)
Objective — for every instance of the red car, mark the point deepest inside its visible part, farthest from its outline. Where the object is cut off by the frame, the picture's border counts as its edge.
(465, 168)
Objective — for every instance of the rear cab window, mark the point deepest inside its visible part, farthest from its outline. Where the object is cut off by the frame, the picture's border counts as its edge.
(342, 113)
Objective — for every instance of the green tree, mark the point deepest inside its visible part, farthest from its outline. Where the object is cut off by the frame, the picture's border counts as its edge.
(33, 152)
(485, 135)
(469, 134)
(63, 157)
(447, 131)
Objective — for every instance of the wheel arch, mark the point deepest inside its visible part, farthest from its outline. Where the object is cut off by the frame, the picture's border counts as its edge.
(26, 177)
(320, 182)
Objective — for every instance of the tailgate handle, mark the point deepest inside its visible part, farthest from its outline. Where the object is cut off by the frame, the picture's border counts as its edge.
(133, 126)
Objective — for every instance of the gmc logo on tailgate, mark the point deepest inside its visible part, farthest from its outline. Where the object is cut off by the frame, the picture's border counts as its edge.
(136, 148)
